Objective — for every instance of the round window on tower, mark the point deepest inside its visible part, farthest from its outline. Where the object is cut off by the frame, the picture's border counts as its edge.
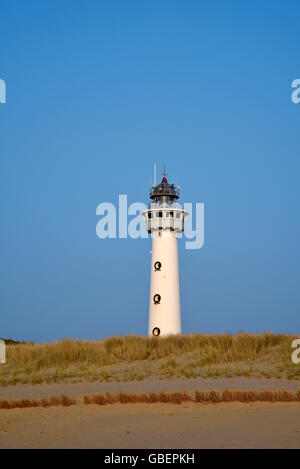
(156, 299)
(157, 265)
(156, 331)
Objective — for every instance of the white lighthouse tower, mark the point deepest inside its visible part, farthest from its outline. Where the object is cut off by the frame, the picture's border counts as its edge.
(164, 220)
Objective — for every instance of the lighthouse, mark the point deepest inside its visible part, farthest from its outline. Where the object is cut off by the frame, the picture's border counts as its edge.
(164, 220)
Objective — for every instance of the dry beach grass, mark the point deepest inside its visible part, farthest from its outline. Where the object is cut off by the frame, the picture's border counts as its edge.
(212, 397)
(137, 358)
(63, 400)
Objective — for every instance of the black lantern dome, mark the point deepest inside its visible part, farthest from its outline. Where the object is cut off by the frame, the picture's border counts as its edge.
(164, 193)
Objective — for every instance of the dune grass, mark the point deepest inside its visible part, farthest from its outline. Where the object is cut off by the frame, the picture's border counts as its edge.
(137, 358)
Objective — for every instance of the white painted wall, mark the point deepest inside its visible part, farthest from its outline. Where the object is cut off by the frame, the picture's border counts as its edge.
(166, 314)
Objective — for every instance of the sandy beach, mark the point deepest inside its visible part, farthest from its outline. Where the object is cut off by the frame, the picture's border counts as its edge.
(235, 425)
(189, 425)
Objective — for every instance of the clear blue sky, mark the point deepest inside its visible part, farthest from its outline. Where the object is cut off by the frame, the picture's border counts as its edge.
(98, 90)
